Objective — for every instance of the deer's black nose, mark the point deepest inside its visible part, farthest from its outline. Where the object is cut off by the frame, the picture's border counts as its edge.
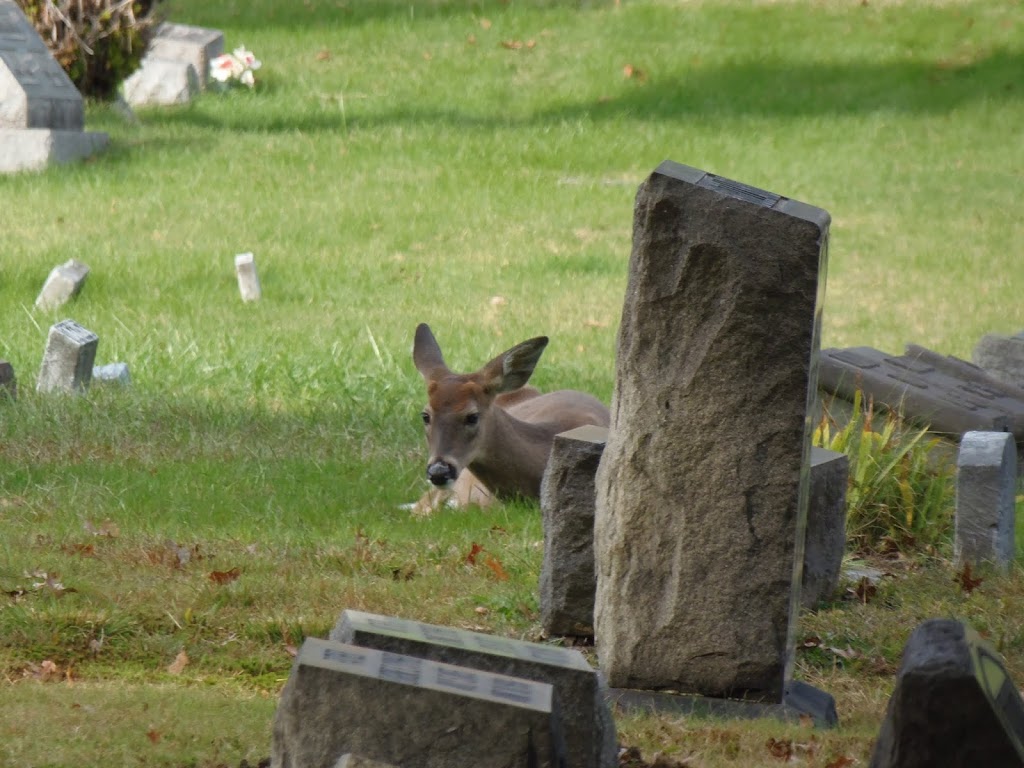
(441, 473)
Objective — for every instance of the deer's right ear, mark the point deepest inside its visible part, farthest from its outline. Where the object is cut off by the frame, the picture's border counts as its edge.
(512, 369)
(426, 354)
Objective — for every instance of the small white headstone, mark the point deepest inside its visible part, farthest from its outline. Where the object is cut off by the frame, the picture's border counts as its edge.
(63, 283)
(248, 281)
(197, 46)
(161, 82)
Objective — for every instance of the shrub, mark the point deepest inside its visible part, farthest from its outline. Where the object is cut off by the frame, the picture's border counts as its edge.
(901, 493)
(97, 42)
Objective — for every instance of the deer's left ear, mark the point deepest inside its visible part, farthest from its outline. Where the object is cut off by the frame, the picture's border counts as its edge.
(513, 368)
(426, 354)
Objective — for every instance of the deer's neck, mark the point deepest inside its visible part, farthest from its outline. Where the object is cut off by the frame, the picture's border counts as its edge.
(513, 456)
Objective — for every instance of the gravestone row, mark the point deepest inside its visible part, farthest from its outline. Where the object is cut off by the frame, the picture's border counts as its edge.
(413, 694)
(42, 114)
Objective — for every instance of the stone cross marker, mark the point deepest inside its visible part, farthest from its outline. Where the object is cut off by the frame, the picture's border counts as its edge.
(702, 489)
(985, 499)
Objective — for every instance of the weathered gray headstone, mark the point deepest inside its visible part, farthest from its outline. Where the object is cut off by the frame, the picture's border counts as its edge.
(34, 91)
(161, 82)
(64, 282)
(8, 382)
(413, 712)
(197, 46)
(68, 359)
(248, 281)
(985, 499)
(42, 114)
(825, 541)
(112, 373)
(1002, 357)
(702, 489)
(585, 720)
(567, 578)
(923, 389)
(954, 704)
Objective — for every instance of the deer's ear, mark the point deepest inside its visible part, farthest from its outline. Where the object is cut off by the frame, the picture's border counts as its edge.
(426, 354)
(513, 368)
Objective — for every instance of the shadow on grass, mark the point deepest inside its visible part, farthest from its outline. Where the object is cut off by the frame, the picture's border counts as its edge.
(743, 89)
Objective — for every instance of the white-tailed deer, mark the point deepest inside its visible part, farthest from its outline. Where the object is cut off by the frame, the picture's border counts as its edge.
(488, 428)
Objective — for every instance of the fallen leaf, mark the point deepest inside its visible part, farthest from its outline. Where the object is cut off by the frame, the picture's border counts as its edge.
(806, 721)
(323, 55)
(177, 666)
(48, 670)
(291, 650)
(108, 529)
(496, 568)
(634, 73)
(85, 550)
(780, 748)
(153, 735)
(225, 577)
(812, 641)
(865, 590)
(531, 44)
(475, 550)
(512, 45)
(968, 583)
(485, 23)
(481, 610)
(840, 762)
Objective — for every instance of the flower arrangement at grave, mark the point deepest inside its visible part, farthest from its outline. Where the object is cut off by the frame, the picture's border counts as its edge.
(235, 67)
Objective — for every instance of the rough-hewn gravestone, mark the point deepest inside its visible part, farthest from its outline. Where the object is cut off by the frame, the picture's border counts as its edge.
(64, 282)
(585, 720)
(825, 541)
(42, 114)
(68, 358)
(921, 388)
(985, 499)
(248, 281)
(1002, 357)
(954, 704)
(567, 499)
(413, 712)
(8, 382)
(161, 82)
(702, 489)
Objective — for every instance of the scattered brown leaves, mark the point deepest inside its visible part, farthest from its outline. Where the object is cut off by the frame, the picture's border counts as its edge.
(496, 568)
(865, 591)
(50, 584)
(474, 550)
(225, 577)
(518, 45)
(843, 761)
(967, 581)
(173, 554)
(634, 73)
(153, 735)
(85, 550)
(177, 666)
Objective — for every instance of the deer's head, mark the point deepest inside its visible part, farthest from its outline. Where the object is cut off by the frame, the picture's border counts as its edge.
(459, 416)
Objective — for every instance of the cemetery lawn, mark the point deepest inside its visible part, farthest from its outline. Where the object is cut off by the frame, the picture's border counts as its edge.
(165, 548)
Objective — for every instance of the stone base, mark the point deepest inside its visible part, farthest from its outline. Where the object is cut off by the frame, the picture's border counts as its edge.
(800, 700)
(33, 149)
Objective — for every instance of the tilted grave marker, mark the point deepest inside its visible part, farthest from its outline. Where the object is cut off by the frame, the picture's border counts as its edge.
(586, 722)
(702, 489)
(64, 282)
(68, 358)
(412, 712)
(985, 499)
(954, 704)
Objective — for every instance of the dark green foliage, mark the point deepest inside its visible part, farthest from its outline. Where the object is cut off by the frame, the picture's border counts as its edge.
(97, 42)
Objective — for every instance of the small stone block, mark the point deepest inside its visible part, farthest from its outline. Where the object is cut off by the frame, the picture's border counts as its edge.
(63, 283)
(586, 721)
(36, 149)
(248, 281)
(985, 499)
(197, 46)
(954, 704)
(409, 711)
(8, 382)
(34, 91)
(1002, 357)
(112, 373)
(68, 359)
(825, 540)
(161, 82)
(567, 499)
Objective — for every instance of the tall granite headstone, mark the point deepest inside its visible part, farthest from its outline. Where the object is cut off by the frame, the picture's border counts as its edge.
(702, 489)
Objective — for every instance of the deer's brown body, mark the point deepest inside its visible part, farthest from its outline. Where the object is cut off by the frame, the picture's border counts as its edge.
(491, 427)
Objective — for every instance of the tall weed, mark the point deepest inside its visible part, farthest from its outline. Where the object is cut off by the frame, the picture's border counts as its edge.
(901, 491)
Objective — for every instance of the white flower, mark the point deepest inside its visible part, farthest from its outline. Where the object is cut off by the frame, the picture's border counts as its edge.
(247, 78)
(238, 65)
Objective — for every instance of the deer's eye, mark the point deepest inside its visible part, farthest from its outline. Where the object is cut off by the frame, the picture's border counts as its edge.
(472, 419)
(426, 418)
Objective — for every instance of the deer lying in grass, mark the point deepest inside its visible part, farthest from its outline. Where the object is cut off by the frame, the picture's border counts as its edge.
(488, 433)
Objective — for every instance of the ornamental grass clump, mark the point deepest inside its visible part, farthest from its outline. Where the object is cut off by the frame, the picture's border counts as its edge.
(901, 493)
(98, 43)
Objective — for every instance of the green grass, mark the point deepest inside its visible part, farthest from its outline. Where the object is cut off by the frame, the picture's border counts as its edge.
(397, 164)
